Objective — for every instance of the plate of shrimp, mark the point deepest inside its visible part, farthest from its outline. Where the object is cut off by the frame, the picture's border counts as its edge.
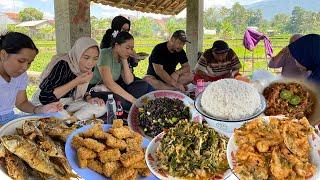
(275, 147)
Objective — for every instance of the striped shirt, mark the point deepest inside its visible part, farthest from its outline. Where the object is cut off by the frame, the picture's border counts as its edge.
(9, 91)
(212, 68)
(60, 75)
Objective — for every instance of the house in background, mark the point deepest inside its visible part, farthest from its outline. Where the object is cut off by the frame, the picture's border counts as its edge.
(8, 18)
(37, 26)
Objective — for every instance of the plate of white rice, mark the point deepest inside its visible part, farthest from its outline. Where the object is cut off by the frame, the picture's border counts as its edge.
(230, 100)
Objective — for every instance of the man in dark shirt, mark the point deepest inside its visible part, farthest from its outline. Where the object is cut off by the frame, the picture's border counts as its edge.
(162, 70)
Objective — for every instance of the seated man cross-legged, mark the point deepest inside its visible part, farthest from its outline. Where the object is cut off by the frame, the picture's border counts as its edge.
(162, 71)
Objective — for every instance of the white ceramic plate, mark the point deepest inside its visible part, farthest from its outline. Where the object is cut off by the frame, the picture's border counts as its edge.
(151, 160)
(314, 141)
(8, 129)
(133, 120)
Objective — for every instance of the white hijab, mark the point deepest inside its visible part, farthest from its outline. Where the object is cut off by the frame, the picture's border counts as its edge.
(72, 58)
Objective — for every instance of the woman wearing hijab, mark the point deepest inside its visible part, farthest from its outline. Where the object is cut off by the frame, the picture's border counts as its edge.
(306, 52)
(69, 74)
(119, 23)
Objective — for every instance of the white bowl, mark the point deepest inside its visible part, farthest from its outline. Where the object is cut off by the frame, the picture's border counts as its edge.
(226, 126)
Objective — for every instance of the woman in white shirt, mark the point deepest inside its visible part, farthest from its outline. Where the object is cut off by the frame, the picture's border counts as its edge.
(17, 52)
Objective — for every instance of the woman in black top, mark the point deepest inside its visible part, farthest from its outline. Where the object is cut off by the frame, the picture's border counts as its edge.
(68, 75)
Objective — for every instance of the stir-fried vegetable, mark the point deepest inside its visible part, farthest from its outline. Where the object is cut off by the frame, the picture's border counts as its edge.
(192, 150)
(161, 113)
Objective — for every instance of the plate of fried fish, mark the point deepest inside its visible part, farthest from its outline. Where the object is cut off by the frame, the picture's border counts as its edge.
(33, 148)
(104, 151)
(275, 147)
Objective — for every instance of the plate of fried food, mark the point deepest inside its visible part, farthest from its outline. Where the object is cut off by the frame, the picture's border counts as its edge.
(103, 151)
(33, 148)
(189, 150)
(275, 147)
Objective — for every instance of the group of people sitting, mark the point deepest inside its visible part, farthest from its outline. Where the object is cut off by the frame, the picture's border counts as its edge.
(92, 72)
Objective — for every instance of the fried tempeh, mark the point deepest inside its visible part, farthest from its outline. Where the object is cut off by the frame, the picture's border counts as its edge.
(85, 153)
(122, 173)
(131, 157)
(83, 163)
(133, 144)
(93, 144)
(109, 155)
(110, 167)
(95, 165)
(134, 176)
(100, 134)
(115, 143)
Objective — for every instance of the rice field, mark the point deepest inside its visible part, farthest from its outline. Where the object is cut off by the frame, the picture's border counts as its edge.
(249, 60)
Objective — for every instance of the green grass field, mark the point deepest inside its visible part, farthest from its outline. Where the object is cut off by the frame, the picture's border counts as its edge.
(249, 60)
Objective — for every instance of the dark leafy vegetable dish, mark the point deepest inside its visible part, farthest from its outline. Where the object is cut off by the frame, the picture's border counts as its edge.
(192, 150)
(289, 99)
(161, 113)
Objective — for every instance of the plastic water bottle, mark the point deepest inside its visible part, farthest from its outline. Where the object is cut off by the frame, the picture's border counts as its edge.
(119, 111)
(200, 87)
(111, 106)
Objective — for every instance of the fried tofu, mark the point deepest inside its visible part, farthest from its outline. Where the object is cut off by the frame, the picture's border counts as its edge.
(122, 173)
(133, 144)
(77, 142)
(100, 135)
(121, 132)
(90, 132)
(144, 172)
(83, 163)
(117, 123)
(139, 165)
(129, 158)
(109, 155)
(115, 143)
(95, 165)
(110, 167)
(85, 153)
(93, 144)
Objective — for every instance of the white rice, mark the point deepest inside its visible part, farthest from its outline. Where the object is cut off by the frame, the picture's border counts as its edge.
(230, 99)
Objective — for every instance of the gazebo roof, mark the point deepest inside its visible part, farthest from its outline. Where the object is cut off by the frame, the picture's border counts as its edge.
(166, 7)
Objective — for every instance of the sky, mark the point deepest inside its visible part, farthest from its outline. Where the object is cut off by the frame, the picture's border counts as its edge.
(102, 11)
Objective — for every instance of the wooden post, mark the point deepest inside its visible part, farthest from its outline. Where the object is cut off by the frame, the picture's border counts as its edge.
(72, 20)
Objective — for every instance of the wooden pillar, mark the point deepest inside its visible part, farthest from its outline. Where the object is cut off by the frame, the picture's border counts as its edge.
(72, 20)
(194, 29)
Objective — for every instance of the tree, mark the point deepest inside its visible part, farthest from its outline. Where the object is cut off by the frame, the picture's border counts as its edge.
(239, 17)
(280, 23)
(210, 18)
(255, 18)
(174, 24)
(298, 20)
(30, 14)
(142, 27)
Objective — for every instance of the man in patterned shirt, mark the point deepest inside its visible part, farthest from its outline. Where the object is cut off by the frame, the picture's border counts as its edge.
(217, 63)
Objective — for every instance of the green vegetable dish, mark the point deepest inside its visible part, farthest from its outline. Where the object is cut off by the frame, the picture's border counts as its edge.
(193, 151)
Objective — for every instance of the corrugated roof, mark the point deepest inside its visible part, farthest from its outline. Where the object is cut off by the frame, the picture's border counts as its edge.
(31, 23)
(166, 7)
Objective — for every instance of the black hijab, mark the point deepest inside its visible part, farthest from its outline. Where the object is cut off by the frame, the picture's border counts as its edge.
(116, 25)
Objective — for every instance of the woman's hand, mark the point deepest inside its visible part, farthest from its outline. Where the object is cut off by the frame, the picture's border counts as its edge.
(84, 78)
(96, 100)
(49, 108)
